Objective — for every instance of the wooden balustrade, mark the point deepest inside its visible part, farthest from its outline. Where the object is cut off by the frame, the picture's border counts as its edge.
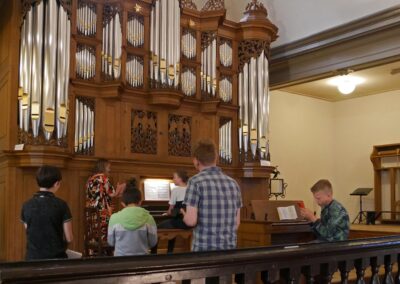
(314, 263)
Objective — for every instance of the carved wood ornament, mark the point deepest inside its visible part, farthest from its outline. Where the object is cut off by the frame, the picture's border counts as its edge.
(144, 132)
(214, 5)
(251, 48)
(255, 5)
(179, 135)
(188, 4)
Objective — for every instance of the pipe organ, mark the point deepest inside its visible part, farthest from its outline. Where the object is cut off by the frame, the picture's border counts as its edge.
(165, 41)
(209, 64)
(85, 62)
(112, 43)
(135, 81)
(225, 141)
(84, 125)
(254, 105)
(189, 82)
(86, 19)
(189, 44)
(135, 30)
(44, 72)
(134, 71)
(225, 53)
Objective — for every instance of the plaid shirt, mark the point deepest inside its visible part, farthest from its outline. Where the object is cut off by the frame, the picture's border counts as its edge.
(334, 223)
(217, 199)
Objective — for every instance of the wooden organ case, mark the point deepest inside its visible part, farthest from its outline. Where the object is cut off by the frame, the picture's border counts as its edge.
(137, 82)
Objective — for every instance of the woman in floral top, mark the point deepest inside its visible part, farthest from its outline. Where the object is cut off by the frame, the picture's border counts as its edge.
(99, 194)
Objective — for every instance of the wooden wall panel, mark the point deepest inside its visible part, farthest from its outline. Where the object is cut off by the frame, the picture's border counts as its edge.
(2, 217)
(4, 88)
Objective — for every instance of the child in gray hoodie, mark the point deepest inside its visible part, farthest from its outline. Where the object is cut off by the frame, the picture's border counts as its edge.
(132, 231)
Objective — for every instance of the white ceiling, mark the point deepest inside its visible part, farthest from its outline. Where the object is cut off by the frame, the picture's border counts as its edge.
(297, 19)
(378, 80)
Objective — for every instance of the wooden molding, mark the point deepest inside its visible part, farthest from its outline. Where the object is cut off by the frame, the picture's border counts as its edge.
(366, 42)
(167, 98)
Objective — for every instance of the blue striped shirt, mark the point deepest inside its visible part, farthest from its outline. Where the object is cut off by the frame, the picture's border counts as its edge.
(217, 198)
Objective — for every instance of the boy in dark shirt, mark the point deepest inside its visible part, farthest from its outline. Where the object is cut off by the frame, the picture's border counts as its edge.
(47, 219)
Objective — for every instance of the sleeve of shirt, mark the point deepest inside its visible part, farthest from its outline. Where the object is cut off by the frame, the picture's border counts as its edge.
(239, 202)
(152, 232)
(192, 196)
(23, 217)
(337, 227)
(110, 233)
(67, 213)
(172, 201)
(108, 187)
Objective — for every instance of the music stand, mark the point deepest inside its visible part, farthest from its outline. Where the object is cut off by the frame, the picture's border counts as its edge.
(362, 191)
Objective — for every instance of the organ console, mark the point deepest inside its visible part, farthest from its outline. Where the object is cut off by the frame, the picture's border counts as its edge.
(134, 81)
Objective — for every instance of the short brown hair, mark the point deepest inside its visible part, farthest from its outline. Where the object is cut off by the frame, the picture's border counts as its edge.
(205, 152)
(322, 185)
(182, 174)
(100, 166)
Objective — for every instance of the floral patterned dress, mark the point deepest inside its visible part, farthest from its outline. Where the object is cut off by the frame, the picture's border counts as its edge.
(98, 195)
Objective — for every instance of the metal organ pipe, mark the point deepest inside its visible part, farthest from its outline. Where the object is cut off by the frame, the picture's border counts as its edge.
(165, 47)
(37, 57)
(254, 104)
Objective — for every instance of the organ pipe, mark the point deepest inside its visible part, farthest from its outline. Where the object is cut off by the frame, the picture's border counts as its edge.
(84, 126)
(165, 42)
(208, 64)
(86, 19)
(134, 71)
(254, 105)
(44, 70)
(135, 31)
(112, 45)
(225, 142)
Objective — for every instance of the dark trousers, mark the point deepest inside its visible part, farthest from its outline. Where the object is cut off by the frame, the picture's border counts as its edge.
(173, 223)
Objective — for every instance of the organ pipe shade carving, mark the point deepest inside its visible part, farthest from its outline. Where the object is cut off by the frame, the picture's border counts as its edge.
(225, 141)
(208, 64)
(225, 89)
(134, 71)
(84, 126)
(179, 135)
(189, 81)
(86, 18)
(143, 132)
(254, 107)
(189, 44)
(85, 62)
(135, 30)
(44, 72)
(112, 43)
(165, 38)
(225, 53)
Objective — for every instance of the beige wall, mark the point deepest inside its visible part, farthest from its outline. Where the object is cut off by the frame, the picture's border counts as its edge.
(312, 139)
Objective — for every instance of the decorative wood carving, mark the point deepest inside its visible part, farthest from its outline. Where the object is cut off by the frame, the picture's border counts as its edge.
(26, 5)
(214, 5)
(251, 48)
(90, 102)
(66, 4)
(179, 135)
(144, 132)
(188, 4)
(27, 138)
(255, 5)
(109, 12)
(207, 38)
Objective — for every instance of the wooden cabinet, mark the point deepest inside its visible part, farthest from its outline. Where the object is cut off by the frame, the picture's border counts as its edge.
(386, 163)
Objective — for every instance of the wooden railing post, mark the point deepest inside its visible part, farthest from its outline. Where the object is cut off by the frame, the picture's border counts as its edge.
(397, 280)
(344, 268)
(360, 265)
(327, 270)
(388, 278)
(376, 262)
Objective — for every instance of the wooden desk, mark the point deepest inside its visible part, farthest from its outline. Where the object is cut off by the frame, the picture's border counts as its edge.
(253, 233)
(358, 231)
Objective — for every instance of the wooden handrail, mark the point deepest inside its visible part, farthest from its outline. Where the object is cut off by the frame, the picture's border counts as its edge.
(287, 262)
